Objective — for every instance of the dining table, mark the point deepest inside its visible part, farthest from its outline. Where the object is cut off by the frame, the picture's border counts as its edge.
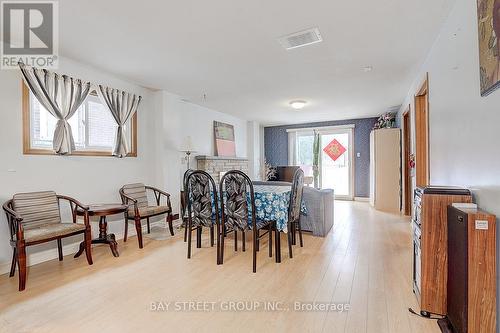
(271, 204)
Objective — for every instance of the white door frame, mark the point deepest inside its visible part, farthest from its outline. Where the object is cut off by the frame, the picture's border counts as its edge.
(350, 132)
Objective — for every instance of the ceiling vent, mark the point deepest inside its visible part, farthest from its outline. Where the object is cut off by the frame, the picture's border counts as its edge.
(301, 38)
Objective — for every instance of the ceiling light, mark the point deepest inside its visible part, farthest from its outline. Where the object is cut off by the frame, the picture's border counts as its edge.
(297, 105)
(367, 69)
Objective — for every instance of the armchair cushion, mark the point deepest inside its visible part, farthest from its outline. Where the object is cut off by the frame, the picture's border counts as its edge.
(37, 208)
(148, 211)
(138, 192)
(46, 231)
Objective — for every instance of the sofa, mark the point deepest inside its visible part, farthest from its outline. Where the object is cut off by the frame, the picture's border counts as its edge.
(320, 207)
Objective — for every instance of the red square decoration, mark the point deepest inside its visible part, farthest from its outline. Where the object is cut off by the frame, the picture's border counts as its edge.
(334, 149)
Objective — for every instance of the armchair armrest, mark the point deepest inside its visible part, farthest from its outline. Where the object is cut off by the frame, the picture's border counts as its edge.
(78, 204)
(14, 219)
(158, 194)
(74, 201)
(126, 199)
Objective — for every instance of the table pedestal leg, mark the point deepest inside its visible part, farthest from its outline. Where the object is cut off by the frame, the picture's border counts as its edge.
(103, 238)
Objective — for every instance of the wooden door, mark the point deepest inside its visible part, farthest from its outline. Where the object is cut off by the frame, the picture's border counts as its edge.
(422, 134)
(406, 162)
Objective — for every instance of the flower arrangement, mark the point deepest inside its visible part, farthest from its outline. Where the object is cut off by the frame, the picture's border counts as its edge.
(387, 120)
(411, 162)
(268, 171)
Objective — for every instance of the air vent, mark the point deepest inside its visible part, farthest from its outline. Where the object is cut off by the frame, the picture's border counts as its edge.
(301, 38)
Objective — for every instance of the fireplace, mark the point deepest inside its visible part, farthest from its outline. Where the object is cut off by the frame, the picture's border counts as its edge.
(217, 165)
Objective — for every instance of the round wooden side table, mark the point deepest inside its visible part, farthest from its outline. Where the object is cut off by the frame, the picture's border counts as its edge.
(103, 210)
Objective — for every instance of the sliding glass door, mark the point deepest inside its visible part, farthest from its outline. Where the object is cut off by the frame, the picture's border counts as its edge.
(336, 162)
(335, 166)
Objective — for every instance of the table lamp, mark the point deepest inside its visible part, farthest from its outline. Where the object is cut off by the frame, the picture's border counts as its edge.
(187, 148)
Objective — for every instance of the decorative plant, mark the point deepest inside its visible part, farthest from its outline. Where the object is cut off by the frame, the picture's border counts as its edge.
(387, 120)
(268, 171)
(316, 153)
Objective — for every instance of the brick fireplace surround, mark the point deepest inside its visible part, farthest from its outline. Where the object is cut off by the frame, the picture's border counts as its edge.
(214, 165)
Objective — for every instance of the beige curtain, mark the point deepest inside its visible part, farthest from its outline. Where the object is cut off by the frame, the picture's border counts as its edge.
(122, 106)
(61, 95)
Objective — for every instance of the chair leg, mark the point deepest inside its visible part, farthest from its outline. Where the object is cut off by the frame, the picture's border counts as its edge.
(189, 232)
(59, 249)
(292, 229)
(212, 236)
(235, 239)
(277, 242)
(221, 246)
(270, 242)
(21, 262)
(170, 224)
(149, 227)
(290, 241)
(138, 229)
(254, 250)
(300, 235)
(258, 240)
(88, 245)
(126, 230)
(243, 240)
(185, 230)
(14, 261)
(198, 237)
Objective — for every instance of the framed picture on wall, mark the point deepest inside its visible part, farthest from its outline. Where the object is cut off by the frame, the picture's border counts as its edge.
(488, 14)
(224, 139)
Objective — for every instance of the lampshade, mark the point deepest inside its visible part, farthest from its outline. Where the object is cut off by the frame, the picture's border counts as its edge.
(187, 145)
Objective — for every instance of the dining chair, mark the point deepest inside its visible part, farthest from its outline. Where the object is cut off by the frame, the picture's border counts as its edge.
(235, 186)
(35, 218)
(294, 210)
(136, 196)
(202, 207)
(184, 202)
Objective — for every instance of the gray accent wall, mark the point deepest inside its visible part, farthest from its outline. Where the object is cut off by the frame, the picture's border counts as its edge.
(276, 148)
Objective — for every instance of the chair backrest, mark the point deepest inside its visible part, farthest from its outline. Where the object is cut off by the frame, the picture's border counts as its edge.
(296, 195)
(234, 188)
(184, 194)
(201, 193)
(138, 192)
(37, 208)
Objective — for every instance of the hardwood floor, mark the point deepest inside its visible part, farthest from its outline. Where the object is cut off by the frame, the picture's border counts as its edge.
(365, 262)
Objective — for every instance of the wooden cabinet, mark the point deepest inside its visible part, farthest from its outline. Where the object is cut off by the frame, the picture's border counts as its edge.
(471, 289)
(430, 234)
(385, 169)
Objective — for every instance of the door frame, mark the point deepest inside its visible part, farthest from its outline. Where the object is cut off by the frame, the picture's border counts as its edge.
(422, 133)
(406, 162)
(350, 133)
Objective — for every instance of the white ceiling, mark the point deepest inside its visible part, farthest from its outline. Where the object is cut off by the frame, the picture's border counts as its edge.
(227, 49)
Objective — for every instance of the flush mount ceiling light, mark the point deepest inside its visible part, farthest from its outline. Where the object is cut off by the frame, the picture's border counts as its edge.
(297, 105)
(367, 69)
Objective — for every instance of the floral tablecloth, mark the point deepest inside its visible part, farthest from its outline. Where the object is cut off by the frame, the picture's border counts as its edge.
(271, 203)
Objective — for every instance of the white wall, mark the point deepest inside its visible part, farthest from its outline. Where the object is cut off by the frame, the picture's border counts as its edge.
(89, 179)
(254, 149)
(180, 119)
(464, 127)
(163, 121)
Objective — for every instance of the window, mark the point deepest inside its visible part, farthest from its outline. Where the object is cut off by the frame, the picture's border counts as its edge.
(93, 127)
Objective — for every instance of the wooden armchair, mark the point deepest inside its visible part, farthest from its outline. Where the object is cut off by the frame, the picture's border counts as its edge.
(35, 218)
(136, 197)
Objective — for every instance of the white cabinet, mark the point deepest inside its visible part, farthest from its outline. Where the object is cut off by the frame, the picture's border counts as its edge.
(385, 169)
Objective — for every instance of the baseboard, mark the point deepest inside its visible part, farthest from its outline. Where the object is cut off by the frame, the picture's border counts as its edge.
(51, 254)
(362, 199)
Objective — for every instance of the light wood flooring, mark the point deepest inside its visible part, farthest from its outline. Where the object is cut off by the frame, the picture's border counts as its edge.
(365, 261)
